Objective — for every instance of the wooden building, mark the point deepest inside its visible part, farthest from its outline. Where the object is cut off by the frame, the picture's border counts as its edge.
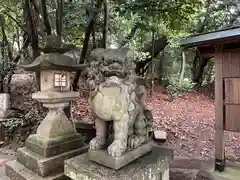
(224, 46)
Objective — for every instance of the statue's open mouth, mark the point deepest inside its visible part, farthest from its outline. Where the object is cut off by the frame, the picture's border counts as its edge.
(119, 74)
(108, 71)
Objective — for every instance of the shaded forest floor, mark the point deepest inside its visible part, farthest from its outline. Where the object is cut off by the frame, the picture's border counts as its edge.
(189, 121)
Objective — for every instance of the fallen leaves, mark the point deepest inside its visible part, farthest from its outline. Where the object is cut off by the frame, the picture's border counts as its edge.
(189, 121)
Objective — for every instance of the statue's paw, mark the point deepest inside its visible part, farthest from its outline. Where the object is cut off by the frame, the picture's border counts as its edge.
(96, 144)
(117, 148)
(134, 141)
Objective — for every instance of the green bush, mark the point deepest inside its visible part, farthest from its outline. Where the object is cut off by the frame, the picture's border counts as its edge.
(175, 89)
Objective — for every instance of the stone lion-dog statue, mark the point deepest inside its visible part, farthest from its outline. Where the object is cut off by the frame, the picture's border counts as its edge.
(116, 98)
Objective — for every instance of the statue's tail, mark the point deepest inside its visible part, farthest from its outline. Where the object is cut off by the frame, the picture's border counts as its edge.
(148, 120)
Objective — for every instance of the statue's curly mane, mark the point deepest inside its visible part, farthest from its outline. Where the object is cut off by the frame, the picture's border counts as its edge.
(105, 63)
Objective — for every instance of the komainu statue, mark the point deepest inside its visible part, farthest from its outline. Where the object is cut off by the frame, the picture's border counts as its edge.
(122, 121)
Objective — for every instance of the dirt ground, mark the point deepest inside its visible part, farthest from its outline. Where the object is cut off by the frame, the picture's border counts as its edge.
(189, 121)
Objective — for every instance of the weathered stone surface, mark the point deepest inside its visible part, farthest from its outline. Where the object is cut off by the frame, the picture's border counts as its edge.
(160, 135)
(228, 174)
(56, 138)
(117, 97)
(4, 104)
(47, 147)
(152, 166)
(53, 61)
(56, 123)
(16, 171)
(45, 166)
(103, 158)
(55, 96)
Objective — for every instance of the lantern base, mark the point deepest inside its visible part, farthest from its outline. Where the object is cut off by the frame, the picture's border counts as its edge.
(48, 147)
(45, 166)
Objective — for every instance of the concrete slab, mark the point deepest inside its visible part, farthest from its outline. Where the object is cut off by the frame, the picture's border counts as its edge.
(229, 173)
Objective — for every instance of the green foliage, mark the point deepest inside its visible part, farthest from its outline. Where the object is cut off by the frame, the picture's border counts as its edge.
(12, 124)
(75, 21)
(132, 22)
(11, 9)
(175, 90)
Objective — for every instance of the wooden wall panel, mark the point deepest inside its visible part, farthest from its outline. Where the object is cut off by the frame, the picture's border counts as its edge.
(231, 64)
(232, 122)
(232, 90)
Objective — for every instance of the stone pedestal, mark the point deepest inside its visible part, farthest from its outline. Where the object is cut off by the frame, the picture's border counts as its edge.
(104, 159)
(154, 166)
(55, 141)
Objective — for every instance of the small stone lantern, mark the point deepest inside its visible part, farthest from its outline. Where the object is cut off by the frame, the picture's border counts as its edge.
(56, 138)
(55, 72)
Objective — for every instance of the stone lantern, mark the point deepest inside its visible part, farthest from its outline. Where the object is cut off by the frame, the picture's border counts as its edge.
(56, 138)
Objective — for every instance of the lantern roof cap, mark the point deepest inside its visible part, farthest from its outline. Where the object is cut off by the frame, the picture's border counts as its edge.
(53, 61)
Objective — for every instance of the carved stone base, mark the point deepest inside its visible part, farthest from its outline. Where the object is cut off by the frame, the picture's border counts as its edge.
(103, 158)
(44, 166)
(16, 171)
(154, 165)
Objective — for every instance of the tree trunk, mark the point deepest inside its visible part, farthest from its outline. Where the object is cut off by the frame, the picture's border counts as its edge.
(5, 39)
(2, 65)
(159, 44)
(18, 40)
(45, 18)
(59, 15)
(34, 37)
(198, 74)
(152, 67)
(85, 43)
(183, 64)
(94, 31)
(209, 71)
(6, 87)
(105, 29)
(160, 75)
(130, 35)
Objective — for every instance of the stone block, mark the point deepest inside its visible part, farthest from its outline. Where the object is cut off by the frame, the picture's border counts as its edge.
(16, 171)
(154, 166)
(4, 103)
(48, 147)
(160, 135)
(44, 166)
(103, 158)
